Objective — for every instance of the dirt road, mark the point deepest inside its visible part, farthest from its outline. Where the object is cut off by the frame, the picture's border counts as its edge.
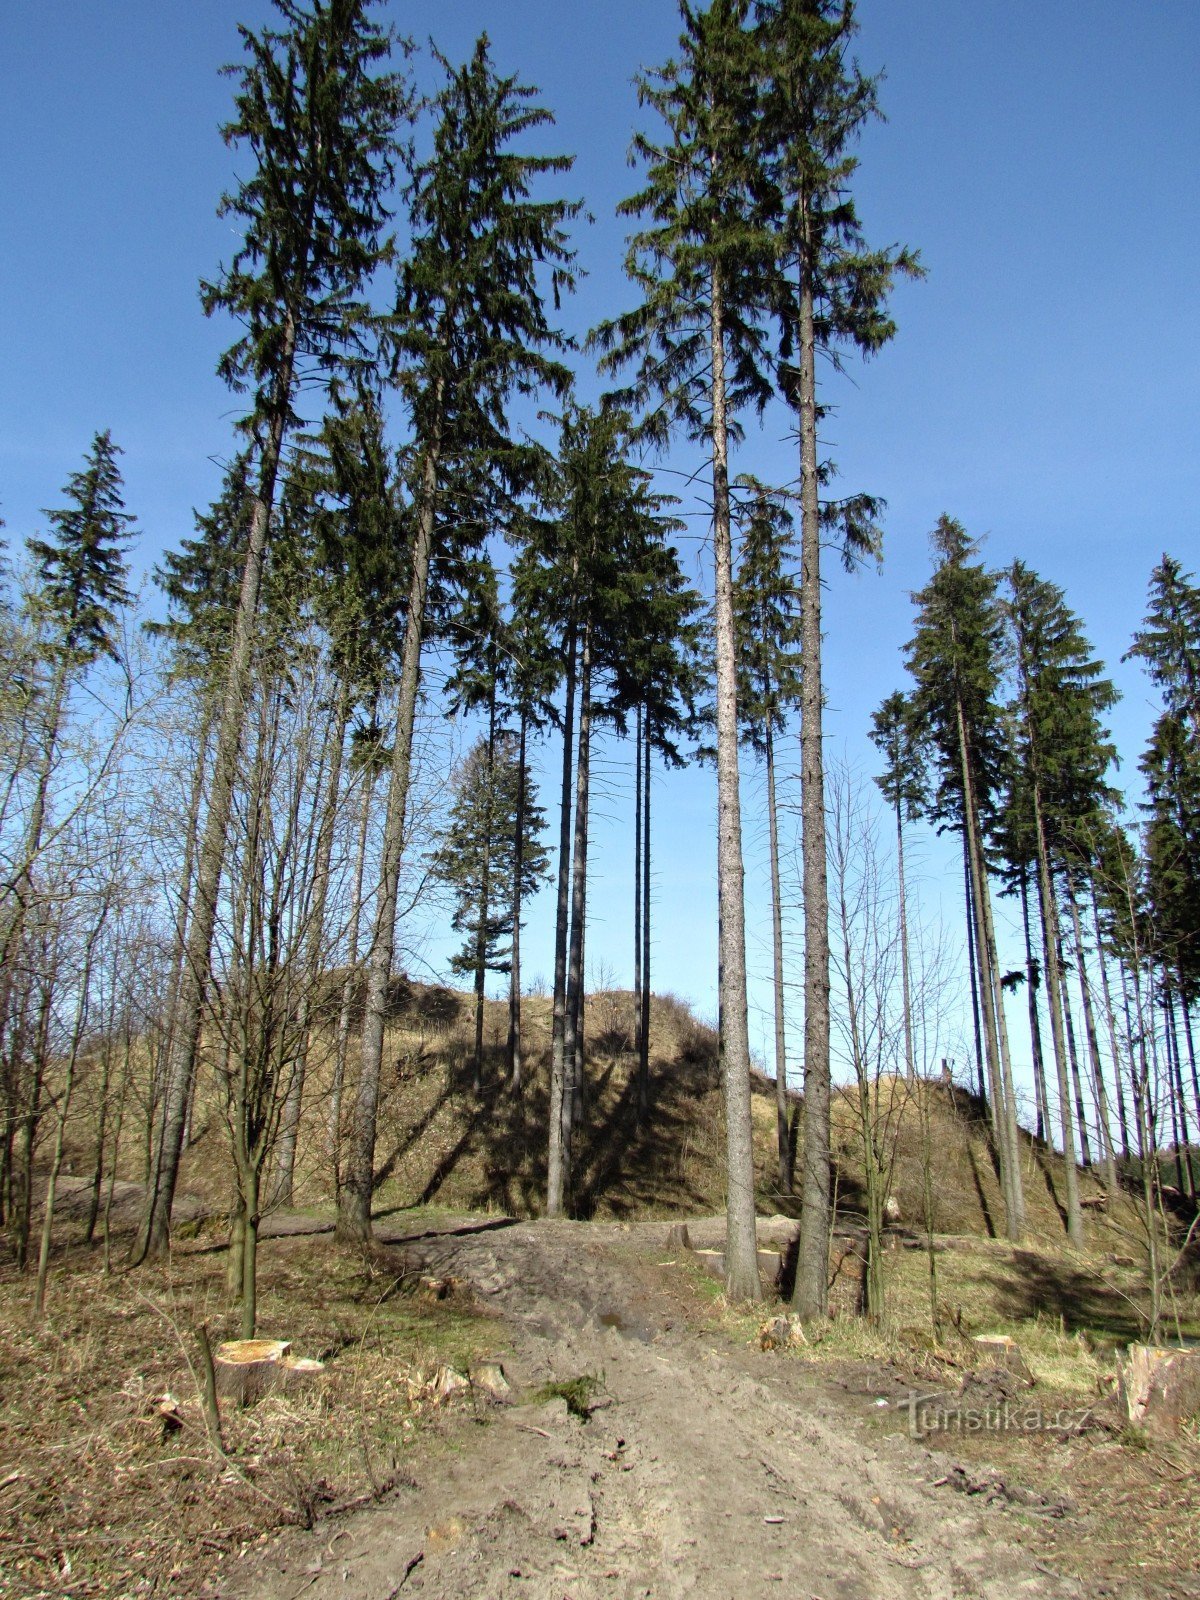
(705, 1469)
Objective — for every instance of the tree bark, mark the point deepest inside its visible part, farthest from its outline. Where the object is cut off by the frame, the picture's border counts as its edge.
(572, 1032)
(1085, 1147)
(986, 964)
(1032, 983)
(195, 972)
(637, 910)
(783, 1137)
(485, 894)
(644, 1016)
(1108, 1151)
(559, 1104)
(514, 978)
(741, 1243)
(1049, 917)
(910, 1055)
(1111, 1022)
(354, 1197)
(289, 1125)
(350, 986)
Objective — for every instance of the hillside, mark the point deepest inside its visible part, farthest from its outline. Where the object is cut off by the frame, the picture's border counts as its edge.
(441, 1144)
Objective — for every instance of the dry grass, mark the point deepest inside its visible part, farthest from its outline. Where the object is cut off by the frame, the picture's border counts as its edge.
(101, 1495)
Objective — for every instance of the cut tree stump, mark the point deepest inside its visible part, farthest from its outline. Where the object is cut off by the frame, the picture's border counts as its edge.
(678, 1238)
(1159, 1389)
(999, 1350)
(247, 1369)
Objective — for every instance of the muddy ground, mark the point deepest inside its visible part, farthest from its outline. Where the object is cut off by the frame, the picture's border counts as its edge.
(703, 1466)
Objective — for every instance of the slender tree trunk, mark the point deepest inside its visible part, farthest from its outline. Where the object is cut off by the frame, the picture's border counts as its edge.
(990, 998)
(64, 1111)
(910, 1055)
(741, 1243)
(1111, 1020)
(1032, 984)
(1183, 1147)
(572, 1035)
(637, 910)
(783, 1137)
(195, 972)
(812, 1265)
(289, 1124)
(485, 894)
(1085, 1147)
(514, 979)
(354, 1197)
(969, 901)
(644, 1018)
(1049, 917)
(350, 986)
(559, 1100)
(1108, 1152)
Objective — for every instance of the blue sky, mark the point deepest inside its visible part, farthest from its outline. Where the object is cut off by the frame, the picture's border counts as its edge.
(1042, 387)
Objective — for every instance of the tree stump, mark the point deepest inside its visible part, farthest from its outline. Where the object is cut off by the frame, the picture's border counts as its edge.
(678, 1238)
(1159, 1389)
(247, 1369)
(999, 1350)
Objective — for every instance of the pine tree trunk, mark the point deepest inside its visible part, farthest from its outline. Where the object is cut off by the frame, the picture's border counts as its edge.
(783, 1138)
(195, 973)
(485, 896)
(1108, 1151)
(1035, 1025)
(1049, 918)
(981, 906)
(1183, 1161)
(972, 967)
(514, 980)
(644, 1019)
(741, 1243)
(812, 1265)
(1085, 1147)
(559, 1100)
(354, 1197)
(637, 910)
(1111, 1021)
(572, 1033)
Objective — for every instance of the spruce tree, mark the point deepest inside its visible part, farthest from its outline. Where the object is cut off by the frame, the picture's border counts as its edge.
(767, 625)
(318, 110)
(832, 296)
(81, 589)
(1063, 754)
(472, 330)
(955, 659)
(493, 835)
(698, 345)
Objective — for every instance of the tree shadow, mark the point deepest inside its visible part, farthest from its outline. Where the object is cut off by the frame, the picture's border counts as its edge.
(1033, 1286)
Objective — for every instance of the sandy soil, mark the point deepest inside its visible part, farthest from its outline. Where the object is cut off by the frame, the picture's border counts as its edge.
(704, 1468)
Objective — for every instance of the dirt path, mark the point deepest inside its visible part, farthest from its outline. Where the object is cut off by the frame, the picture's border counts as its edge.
(706, 1469)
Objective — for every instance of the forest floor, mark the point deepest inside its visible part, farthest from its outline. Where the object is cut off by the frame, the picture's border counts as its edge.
(649, 1447)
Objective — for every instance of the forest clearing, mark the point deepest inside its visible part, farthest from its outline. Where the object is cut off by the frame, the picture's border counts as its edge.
(587, 1006)
(406, 1449)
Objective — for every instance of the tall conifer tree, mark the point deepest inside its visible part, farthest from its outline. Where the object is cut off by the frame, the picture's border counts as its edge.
(832, 295)
(698, 344)
(318, 110)
(473, 329)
